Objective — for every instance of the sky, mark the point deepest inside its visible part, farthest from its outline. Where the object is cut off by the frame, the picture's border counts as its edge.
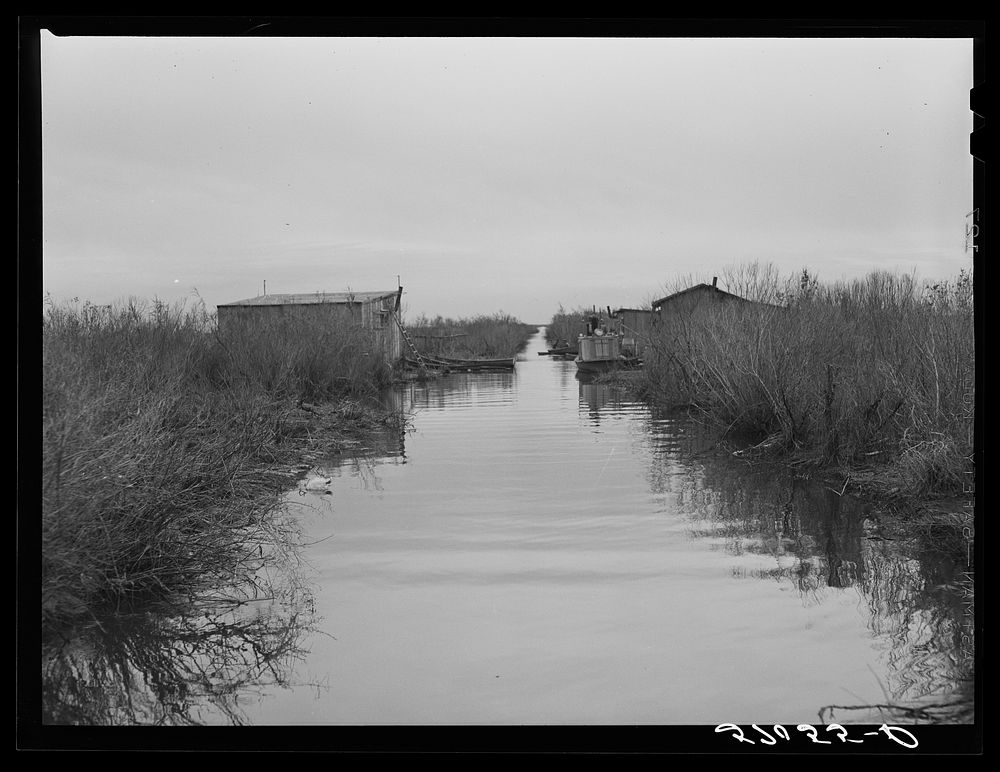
(489, 174)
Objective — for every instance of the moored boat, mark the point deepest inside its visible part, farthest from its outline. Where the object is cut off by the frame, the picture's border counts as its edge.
(502, 362)
(560, 352)
(605, 347)
(462, 365)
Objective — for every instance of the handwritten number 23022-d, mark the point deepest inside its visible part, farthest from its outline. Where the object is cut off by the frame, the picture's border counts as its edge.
(894, 733)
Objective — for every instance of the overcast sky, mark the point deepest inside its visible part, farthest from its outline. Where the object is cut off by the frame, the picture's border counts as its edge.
(494, 174)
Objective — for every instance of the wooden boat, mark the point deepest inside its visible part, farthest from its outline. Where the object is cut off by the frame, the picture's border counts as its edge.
(462, 365)
(601, 349)
(502, 362)
(562, 352)
(606, 365)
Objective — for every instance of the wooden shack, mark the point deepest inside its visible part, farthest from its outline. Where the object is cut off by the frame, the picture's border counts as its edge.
(682, 319)
(376, 313)
(635, 325)
(696, 297)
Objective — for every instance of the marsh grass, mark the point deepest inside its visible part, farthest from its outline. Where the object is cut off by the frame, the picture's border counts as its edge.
(163, 450)
(300, 358)
(878, 369)
(487, 336)
(565, 326)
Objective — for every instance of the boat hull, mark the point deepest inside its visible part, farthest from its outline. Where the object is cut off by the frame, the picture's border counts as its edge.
(606, 365)
(463, 365)
(560, 353)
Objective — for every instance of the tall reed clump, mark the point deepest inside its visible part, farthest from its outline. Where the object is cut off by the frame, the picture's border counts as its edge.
(872, 369)
(301, 358)
(160, 445)
(566, 326)
(490, 336)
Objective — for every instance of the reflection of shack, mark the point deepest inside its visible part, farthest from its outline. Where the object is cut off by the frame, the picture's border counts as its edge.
(373, 314)
(598, 397)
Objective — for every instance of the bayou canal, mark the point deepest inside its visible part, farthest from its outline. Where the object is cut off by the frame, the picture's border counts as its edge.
(538, 549)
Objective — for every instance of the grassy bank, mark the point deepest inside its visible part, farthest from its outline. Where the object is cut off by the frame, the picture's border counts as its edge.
(166, 448)
(874, 376)
(565, 326)
(496, 336)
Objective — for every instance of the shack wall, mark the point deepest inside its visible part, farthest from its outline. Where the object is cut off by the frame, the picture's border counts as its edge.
(687, 319)
(636, 325)
(375, 316)
(696, 299)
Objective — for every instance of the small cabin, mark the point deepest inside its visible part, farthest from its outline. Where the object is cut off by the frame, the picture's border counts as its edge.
(377, 313)
(635, 325)
(700, 295)
(680, 319)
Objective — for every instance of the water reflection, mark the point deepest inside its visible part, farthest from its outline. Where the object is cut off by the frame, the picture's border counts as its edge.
(462, 391)
(537, 548)
(201, 667)
(191, 660)
(822, 541)
(782, 527)
(607, 402)
(388, 440)
(388, 447)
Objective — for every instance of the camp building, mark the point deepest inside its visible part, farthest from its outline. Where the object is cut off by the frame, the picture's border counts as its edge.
(697, 296)
(375, 312)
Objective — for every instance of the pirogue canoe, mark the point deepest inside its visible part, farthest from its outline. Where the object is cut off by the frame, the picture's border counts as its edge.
(462, 365)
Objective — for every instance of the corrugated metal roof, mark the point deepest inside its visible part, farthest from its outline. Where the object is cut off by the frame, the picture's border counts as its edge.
(309, 298)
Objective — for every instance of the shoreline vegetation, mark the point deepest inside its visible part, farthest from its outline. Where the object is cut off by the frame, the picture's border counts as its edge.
(865, 386)
(870, 381)
(167, 446)
(166, 449)
(565, 326)
(496, 336)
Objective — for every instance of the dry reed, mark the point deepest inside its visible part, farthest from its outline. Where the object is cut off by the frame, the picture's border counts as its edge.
(877, 369)
(161, 443)
(496, 336)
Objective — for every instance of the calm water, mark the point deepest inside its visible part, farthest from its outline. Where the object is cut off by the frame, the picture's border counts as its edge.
(536, 549)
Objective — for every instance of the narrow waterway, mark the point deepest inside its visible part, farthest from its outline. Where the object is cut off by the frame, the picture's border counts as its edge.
(540, 549)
